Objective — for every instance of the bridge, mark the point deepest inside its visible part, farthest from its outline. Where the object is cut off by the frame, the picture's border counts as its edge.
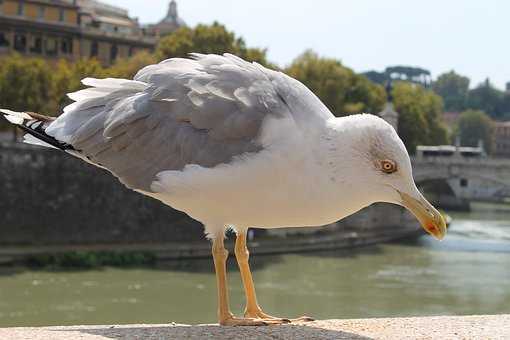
(456, 179)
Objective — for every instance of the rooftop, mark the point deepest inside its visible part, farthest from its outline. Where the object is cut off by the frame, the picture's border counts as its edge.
(99, 6)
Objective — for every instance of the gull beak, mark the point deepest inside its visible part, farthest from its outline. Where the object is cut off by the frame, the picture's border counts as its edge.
(430, 219)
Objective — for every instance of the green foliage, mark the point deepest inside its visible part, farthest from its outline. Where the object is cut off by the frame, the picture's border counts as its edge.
(454, 90)
(207, 39)
(487, 98)
(127, 68)
(504, 107)
(26, 83)
(420, 113)
(475, 125)
(342, 91)
(88, 259)
(411, 74)
(41, 86)
(68, 76)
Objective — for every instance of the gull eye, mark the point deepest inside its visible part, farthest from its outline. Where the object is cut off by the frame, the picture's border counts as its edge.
(388, 166)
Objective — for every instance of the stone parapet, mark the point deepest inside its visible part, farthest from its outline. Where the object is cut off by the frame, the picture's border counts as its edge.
(441, 327)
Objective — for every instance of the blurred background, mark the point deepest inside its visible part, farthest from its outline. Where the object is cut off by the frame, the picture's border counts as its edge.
(76, 247)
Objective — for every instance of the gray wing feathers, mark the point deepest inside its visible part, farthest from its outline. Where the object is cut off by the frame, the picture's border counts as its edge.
(206, 111)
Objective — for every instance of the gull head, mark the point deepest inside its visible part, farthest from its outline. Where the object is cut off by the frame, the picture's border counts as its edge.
(377, 168)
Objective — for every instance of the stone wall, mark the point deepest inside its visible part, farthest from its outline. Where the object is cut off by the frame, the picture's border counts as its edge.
(48, 197)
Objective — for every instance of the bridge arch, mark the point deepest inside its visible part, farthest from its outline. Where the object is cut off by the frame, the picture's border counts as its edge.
(483, 179)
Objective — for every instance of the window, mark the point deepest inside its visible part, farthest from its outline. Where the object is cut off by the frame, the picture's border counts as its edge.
(20, 42)
(66, 45)
(51, 46)
(94, 49)
(62, 15)
(21, 8)
(40, 12)
(463, 182)
(1, 4)
(36, 44)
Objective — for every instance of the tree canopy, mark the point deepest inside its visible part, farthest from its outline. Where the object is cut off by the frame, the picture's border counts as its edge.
(487, 98)
(412, 74)
(26, 83)
(420, 116)
(206, 39)
(342, 91)
(453, 88)
(475, 125)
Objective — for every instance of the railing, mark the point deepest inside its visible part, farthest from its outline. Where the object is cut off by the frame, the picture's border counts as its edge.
(482, 161)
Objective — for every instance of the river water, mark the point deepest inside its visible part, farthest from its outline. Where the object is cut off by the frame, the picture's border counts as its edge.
(468, 273)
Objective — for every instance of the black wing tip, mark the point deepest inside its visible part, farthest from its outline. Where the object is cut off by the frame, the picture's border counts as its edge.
(35, 124)
(37, 128)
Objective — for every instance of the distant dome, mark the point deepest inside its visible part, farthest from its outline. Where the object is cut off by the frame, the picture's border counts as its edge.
(171, 22)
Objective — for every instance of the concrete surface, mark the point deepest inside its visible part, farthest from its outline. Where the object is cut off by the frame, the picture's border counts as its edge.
(443, 328)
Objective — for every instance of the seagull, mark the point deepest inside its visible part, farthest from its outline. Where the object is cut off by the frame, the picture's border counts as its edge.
(235, 146)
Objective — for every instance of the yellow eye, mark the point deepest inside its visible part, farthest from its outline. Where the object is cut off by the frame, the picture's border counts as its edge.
(388, 166)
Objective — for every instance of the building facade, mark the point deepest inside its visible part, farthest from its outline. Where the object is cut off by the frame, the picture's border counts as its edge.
(501, 145)
(70, 29)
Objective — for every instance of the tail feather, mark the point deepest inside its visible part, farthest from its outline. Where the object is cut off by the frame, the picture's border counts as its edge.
(34, 125)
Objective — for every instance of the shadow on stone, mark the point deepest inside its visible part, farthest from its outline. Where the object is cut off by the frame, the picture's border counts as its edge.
(218, 332)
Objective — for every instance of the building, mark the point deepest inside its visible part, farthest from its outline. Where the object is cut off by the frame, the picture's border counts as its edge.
(70, 29)
(501, 145)
(108, 32)
(168, 24)
(39, 28)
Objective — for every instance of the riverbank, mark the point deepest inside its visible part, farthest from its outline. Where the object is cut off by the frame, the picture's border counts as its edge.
(289, 243)
(442, 327)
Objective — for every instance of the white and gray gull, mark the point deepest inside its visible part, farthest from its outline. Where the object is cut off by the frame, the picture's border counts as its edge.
(234, 145)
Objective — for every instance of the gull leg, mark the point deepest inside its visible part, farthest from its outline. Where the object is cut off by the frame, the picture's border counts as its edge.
(225, 317)
(253, 309)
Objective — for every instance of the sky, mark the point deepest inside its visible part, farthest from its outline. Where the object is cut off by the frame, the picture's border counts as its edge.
(468, 36)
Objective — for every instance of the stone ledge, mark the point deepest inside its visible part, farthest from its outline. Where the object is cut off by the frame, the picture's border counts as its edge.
(440, 327)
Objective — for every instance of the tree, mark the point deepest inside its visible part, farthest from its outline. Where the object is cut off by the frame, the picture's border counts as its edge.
(127, 68)
(26, 83)
(419, 116)
(403, 73)
(473, 126)
(487, 98)
(504, 107)
(377, 77)
(408, 73)
(453, 88)
(67, 78)
(207, 39)
(341, 90)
